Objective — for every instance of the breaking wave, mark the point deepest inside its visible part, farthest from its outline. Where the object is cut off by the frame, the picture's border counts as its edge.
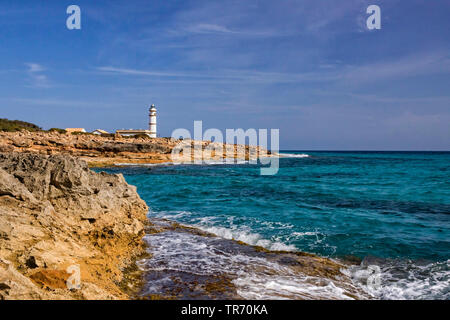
(390, 279)
(294, 155)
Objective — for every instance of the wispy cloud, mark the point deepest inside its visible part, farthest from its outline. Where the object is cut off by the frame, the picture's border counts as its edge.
(209, 28)
(36, 76)
(232, 75)
(216, 29)
(66, 103)
(408, 66)
(135, 72)
(415, 65)
(34, 67)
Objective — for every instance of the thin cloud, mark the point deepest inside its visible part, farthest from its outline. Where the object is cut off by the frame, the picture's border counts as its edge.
(126, 71)
(34, 67)
(209, 28)
(240, 75)
(415, 65)
(36, 77)
(354, 75)
(67, 103)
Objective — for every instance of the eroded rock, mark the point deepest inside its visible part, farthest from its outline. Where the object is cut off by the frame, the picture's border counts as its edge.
(56, 213)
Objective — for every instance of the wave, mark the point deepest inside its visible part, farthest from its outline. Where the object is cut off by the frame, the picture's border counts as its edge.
(390, 279)
(126, 164)
(242, 233)
(247, 237)
(169, 163)
(186, 255)
(385, 279)
(294, 155)
(264, 287)
(222, 162)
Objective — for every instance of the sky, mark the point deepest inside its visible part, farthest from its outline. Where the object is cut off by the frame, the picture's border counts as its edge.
(310, 68)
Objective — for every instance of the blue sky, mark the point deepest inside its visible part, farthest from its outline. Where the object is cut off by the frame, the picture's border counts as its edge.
(310, 68)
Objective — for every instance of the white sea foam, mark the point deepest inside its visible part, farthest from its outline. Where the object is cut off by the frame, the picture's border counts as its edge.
(169, 163)
(239, 233)
(397, 279)
(303, 234)
(125, 164)
(264, 287)
(294, 155)
(224, 161)
(404, 280)
(246, 236)
(255, 277)
(173, 215)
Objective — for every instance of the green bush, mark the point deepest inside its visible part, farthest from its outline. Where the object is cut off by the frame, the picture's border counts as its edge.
(108, 135)
(141, 136)
(136, 136)
(59, 130)
(17, 125)
(82, 133)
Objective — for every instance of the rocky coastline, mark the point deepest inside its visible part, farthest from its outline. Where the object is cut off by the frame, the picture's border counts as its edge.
(57, 215)
(104, 151)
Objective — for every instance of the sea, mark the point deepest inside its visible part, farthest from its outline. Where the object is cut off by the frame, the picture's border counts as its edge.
(384, 215)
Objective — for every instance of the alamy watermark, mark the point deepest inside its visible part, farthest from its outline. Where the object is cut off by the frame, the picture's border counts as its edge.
(209, 147)
(74, 281)
(374, 20)
(369, 276)
(73, 22)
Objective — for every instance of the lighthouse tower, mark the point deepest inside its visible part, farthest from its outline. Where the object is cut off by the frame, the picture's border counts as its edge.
(152, 121)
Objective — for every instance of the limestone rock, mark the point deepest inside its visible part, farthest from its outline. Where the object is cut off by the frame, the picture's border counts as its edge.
(56, 213)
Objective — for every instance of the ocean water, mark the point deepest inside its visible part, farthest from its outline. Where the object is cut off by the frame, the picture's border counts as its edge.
(389, 212)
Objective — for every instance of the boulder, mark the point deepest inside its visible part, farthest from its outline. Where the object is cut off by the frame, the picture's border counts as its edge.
(55, 213)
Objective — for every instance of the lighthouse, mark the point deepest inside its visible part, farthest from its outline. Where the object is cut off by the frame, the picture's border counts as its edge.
(152, 121)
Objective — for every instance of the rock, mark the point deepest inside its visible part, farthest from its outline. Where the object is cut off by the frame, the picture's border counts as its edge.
(56, 213)
(6, 148)
(23, 143)
(31, 263)
(4, 286)
(104, 151)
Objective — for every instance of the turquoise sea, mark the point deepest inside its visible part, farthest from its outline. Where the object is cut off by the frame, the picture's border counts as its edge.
(385, 209)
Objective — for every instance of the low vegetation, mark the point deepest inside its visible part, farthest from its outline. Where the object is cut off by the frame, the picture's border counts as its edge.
(17, 125)
(59, 130)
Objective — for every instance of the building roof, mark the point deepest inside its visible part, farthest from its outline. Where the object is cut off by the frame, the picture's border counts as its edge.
(75, 130)
(132, 131)
(101, 131)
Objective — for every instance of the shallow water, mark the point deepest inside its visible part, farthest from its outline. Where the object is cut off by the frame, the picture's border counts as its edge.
(188, 264)
(391, 210)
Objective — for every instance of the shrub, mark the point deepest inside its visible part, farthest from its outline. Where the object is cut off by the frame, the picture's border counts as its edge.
(107, 135)
(82, 133)
(57, 130)
(17, 125)
(141, 136)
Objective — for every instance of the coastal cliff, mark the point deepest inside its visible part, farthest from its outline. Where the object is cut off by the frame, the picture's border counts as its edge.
(101, 151)
(56, 213)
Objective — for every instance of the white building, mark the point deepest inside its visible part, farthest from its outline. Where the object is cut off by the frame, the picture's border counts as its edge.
(75, 130)
(152, 121)
(151, 132)
(99, 132)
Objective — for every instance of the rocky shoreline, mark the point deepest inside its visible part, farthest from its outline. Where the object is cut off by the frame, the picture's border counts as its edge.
(187, 263)
(55, 213)
(104, 151)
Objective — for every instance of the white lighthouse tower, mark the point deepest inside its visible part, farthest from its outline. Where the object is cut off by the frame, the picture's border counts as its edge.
(152, 122)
